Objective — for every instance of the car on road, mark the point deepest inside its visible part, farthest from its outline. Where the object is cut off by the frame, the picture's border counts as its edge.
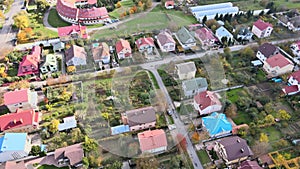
(169, 111)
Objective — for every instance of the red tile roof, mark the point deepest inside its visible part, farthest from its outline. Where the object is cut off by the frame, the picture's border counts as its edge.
(296, 75)
(165, 37)
(169, 3)
(19, 119)
(31, 60)
(68, 30)
(17, 96)
(278, 60)
(144, 41)
(261, 25)
(250, 165)
(206, 99)
(290, 89)
(121, 44)
(92, 13)
(152, 139)
(205, 34)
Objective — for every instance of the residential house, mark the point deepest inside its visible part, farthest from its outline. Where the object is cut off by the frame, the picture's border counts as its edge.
(222, 33)
(293, 23)
(185, 38)
(13, 165)
(20, 99)
(145, 45)
(30, 63)
(216, 124)
(123, 49)
(165, 41)
(68, 123)
(169, 4)
(101, 53)
(295, 47)
(265, 51)
(185, 70)
(21, 121)
(193, 86)
(278, 65)
(58, 46)
(75, 56)
(139, 119)
(249, 165)
(233, 149)
(50, 64)
(207, 102)
(67, 156)
(72, 32)
(294, 84)
(14, 146)
(262, 29)
(244, 34)
(206, 37)
(153, 141)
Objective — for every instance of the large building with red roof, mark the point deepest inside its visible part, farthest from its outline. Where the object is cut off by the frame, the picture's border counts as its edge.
(153, 141)
(72, 32)
(21, 121)
(30, 63)
(278, 65)
(207, 102)
(262, 29)
(20, 99)
(75, 11)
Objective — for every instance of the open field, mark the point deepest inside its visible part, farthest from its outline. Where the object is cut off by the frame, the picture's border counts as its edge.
(154, 20)
(125, 6)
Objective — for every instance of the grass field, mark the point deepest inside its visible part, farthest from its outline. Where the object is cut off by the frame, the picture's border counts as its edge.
(154, 20)
(203, 156)
(55, 21)
(126, 5)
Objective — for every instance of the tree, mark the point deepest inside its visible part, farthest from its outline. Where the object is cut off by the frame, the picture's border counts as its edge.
(209, 23)
(35, 150)
(181, 142)
(89, 144)
(263, 138)
(269, 119)
(148, 4)
(21, 21)
(248, 52)
(2, 16)
(204, 19)
(19, 85)
(147, 162)
(53, 127)
(260, 148)
(115, 165)
(195, 137)
(280, 159)
(284, 115)
(42, 5)
(71, 69)
(118, 5)
(231, 110)
(175, 162)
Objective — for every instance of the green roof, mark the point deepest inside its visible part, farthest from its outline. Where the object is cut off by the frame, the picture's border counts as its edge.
(184, 35)
(194, 84)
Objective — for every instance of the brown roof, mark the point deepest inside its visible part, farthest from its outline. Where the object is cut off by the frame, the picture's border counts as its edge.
(235, 147)
(140, 116)
(249, 165)
(74, 153)
(278, 60)
(165, 37)
(206, 98)
(267, 49)
(75, 51)
(13, 165)
(100, 51)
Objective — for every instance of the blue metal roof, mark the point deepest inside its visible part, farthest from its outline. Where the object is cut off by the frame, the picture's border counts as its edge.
(223, 32)
(119, 129)
(216, 123)
(13, 142)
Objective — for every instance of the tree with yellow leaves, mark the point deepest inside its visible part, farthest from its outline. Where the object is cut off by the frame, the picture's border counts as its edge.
(263, 138)
(71, 69)
(118, 5)
(21, 21)
(284, 115)
(19, 85)
(53, 127)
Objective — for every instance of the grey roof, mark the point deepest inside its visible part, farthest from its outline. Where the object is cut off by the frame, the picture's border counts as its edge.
(186, 67)
(140, 116)
(58, 46)
(223, 32)
(194, 84)
(235, 147)
(184, 35)
(295, 21)
(267, 49)
(69, 122)
(210, 7)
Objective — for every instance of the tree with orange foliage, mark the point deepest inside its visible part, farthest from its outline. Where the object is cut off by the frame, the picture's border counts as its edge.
(131, 11)
(134, 8)
(140, 4)
(195, 137)
(118, 5)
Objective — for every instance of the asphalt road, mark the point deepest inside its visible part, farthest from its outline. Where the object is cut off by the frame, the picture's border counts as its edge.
(6, 34)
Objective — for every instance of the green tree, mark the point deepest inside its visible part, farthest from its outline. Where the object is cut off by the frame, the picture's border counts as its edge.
(89, 144)
(284, 115)
(269, 119)
(35, 150)
(204, 19)
(53, 127)
(115, 165)
(42, 5)
(175, 161)
(248, 52)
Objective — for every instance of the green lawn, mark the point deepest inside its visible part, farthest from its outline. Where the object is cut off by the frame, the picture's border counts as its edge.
(126, 5)
(273, 133)
(241, 118)
(203, 156)
(154, 20)
(55, 21)
(95, 26)
(232, 95)
(51, 167)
